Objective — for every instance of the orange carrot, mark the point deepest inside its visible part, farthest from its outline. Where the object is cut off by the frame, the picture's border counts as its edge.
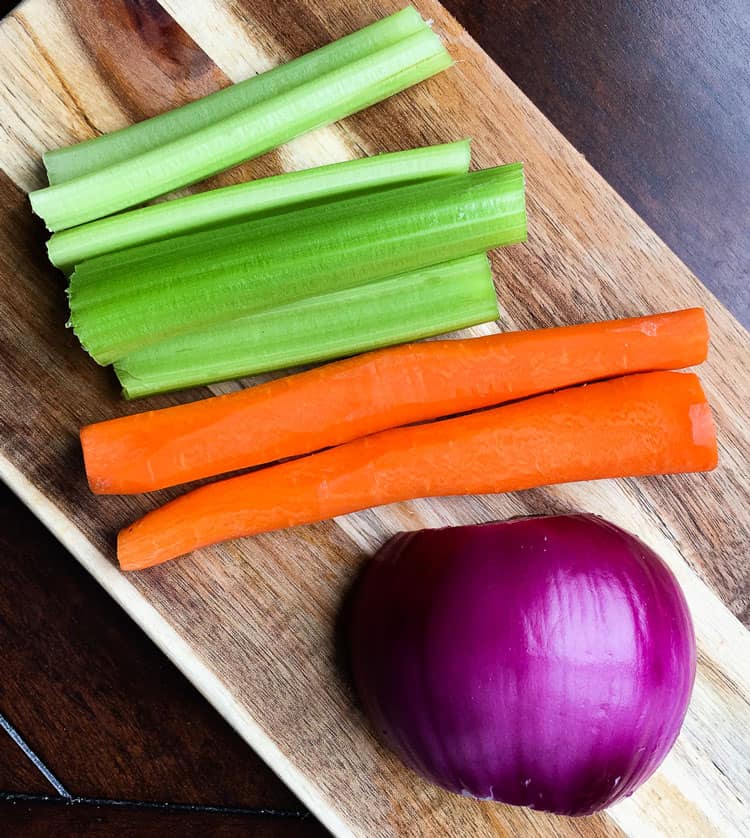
(651, 423)
(339, 402)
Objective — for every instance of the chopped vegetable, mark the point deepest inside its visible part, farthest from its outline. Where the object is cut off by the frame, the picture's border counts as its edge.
(125, 301)
(83, 158)
(542, 662)
(370, 393)
(242, 135)
(255, 198)
(651, 423)
(419, 304)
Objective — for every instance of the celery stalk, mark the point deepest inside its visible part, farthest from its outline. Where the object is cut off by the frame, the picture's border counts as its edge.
(406, 307)
(243, 135)
(73, 161)
(122, 302)
(243, 201)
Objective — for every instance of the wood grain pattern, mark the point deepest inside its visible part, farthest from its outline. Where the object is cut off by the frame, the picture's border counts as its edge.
(252, 623)
(32, 819)
(656, 96)
(17, 773)
(103, 709)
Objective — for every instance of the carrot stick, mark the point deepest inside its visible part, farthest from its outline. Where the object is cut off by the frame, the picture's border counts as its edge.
(650, 423)
(339, 402)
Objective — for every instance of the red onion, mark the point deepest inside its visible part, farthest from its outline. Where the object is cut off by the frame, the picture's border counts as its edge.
(543, 662)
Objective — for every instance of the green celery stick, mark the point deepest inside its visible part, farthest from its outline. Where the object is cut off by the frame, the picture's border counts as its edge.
(207, 210)
(419, 304)
(122, 302)
(243, 135)
(82, 158)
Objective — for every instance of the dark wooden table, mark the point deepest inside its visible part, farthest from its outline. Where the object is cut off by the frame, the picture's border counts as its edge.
(103, 735)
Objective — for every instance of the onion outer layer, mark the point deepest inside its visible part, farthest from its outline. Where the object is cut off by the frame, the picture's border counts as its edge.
(544, 662)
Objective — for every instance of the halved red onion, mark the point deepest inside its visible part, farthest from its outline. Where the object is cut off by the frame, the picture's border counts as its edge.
(543, 662)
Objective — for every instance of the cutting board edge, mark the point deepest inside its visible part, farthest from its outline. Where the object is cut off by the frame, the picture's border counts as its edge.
(159, 631)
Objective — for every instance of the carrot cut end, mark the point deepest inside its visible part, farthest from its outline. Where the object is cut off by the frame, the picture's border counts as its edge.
(130, 559)
(704, 433)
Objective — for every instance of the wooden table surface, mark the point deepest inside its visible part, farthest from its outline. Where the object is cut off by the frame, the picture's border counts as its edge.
(657, 96)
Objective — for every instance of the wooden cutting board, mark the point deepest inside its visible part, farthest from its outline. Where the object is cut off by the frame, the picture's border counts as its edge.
(253, 623)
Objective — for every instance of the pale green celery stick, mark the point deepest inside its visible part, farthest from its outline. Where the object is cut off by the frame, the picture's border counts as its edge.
(243, 135)
(73, 161)
(253, 199)
(122, 302)
(419, 304)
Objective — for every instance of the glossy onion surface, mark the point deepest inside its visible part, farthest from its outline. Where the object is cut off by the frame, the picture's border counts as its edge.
(542, 662)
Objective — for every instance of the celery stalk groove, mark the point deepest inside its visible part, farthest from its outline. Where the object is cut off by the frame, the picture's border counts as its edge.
(243, 135)
(419, 304)
(100, 152)
(256, 198)
(126, 301)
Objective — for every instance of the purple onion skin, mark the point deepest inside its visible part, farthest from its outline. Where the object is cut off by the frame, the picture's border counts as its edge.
(542, 662)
